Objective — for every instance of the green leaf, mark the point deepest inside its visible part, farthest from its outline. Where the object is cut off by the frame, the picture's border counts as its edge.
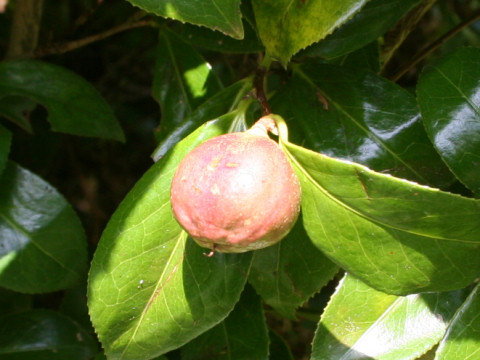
(289, 273)
(397, 236)
(461, 340)
(224, 101)
(44, 335)
(361, 117)
(5, 142)
(362, 323)
(182, 81)
(286, 26)
(242, 335)
(74, 105)
(16, 108)
(365, 58)
(215, 41)
(450, 105)
(42, 243)
(368, 25)
(279, 349)
(223, 16)
(151, 289)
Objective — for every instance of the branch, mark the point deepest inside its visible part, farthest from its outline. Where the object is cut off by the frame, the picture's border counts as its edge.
(396, 36)
(258, 84)
(27, 15)
(63, 47)
(435, 45)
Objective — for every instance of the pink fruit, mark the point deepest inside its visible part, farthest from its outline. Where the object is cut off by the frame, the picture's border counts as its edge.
(236, 192)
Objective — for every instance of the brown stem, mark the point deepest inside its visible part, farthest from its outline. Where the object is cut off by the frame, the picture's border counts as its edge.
(27, 15)
(435, 45)
(397, 35)
(258, 84)
(63, 47)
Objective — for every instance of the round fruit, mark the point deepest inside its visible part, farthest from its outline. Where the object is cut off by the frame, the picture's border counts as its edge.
(236, 192)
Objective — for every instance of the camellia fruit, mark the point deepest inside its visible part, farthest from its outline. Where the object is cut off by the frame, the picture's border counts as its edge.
(236, 192)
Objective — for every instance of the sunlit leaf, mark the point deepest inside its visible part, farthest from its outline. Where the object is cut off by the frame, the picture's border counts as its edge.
(151, 289)
(395, 235)
(449, 98)
(461, 341)
(224, 101)
(286, 26)
(224, 16)
(362, 323)
(182, 81)
(366, 26)
(359, 116)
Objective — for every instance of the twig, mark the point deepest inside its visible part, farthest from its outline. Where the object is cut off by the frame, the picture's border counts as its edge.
(27, 15)
(83, 18)
(63, 47)
(258, 84)
(435, 45)
(396, 36)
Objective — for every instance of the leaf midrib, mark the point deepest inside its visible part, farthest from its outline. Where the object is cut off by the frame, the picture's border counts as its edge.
(156, 291)
(363, 215)
(370, 134)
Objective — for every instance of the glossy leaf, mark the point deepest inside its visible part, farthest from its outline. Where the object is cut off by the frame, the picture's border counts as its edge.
(15, 108)
(242, 335)
(362, 323)
(449, 98)
(285, 26)
(289, 273)
(361, 117)
(462, 338)
(224, 101)
(5, 141)
(73, 104)
(223, 16)
(395, 235)
(42, 243)
(182, 81)
(44, 335)
(151, 289)
(366, 26)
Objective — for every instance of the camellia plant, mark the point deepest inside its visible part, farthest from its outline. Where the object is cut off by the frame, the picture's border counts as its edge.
(349, 230)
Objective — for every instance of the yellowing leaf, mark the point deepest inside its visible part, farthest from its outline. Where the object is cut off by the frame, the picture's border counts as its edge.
(287, 26)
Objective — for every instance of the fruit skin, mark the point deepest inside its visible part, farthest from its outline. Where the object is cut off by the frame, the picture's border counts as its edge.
(236, 192)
